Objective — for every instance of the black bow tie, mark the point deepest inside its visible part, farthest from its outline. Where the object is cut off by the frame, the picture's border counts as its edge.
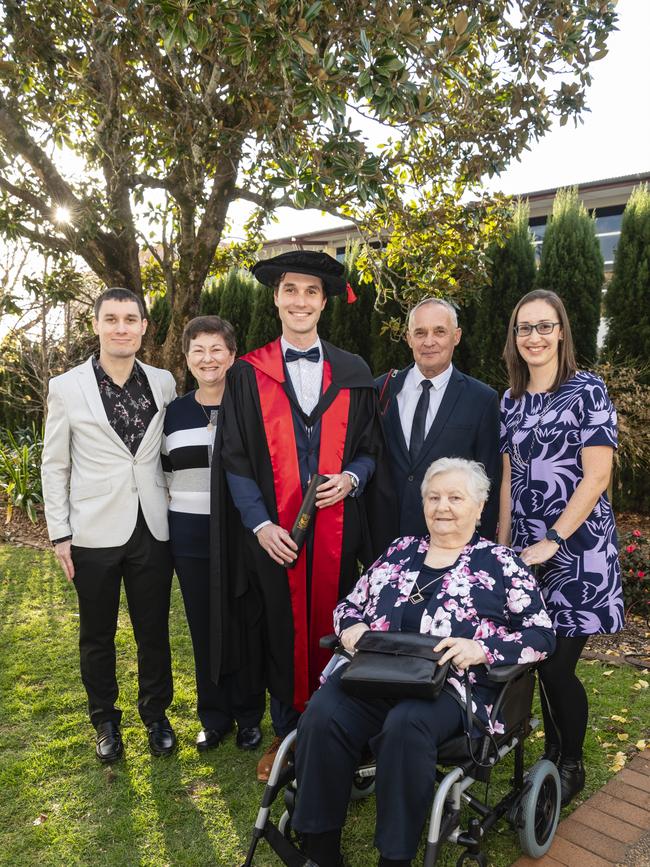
(312, 354)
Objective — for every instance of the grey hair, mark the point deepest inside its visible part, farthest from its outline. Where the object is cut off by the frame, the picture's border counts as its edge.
(441, 303)
(478, 483)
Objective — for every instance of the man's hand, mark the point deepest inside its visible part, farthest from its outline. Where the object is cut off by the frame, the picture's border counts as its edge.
(277, 543)
(463, 652)
(64, 556)
(351, 635)
(336, 488)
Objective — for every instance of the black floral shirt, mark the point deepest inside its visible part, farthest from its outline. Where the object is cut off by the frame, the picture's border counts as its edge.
(129, 408)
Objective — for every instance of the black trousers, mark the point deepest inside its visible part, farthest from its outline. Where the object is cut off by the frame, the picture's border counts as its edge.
(404, 737)
(217, 704)
(145, 565)
(283, 716)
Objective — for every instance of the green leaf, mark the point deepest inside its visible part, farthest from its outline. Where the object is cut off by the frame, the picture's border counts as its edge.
(313, 10)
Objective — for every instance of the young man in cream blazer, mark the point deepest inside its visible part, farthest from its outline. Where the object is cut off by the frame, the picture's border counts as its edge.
(106, 510)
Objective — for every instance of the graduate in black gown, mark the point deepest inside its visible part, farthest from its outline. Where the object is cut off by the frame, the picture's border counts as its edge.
(292, 408)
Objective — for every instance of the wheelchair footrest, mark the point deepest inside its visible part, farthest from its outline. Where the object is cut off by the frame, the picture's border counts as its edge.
(282, 847)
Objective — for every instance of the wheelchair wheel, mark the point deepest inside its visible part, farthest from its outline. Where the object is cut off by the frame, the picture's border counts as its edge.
(540, 809)
(362, 787)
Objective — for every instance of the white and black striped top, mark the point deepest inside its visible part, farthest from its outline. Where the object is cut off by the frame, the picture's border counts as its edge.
(186, 451)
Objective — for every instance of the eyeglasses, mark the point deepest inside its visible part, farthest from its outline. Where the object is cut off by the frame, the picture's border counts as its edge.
(526, 329)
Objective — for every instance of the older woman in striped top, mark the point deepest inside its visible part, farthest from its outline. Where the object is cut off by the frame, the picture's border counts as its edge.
(191, 424)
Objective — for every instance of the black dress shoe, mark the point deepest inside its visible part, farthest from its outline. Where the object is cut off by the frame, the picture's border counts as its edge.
(249, 738)
(108, 747)
(162, 739)
(572, 779)
(207, 739)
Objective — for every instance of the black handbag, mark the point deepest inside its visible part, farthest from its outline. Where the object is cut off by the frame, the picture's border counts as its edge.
(395, 665)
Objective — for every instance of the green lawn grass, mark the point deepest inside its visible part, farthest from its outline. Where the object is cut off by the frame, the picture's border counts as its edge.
(58, 806)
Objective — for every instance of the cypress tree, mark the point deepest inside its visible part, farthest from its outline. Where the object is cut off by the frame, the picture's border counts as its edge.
(572, 265)
(467, 353)
(350, 323)
(236, 303)
(264, 320)
(511, 275)
(386, 351)
(627, 302)
(160, 314)
(210, 299)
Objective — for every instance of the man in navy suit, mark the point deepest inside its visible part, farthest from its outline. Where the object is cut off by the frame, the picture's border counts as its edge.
(431, 410)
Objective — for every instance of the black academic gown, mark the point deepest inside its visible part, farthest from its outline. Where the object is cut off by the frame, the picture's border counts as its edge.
(369, 521)
(235, 603)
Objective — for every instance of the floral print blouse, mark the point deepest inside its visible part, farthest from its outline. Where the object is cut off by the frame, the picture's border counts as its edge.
(488, 595)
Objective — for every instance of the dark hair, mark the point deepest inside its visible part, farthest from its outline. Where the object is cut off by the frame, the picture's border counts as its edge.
(119, 294)
(209, 325)
(518, 374)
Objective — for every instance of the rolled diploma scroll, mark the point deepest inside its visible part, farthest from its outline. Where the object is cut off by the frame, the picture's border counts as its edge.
(306, 513)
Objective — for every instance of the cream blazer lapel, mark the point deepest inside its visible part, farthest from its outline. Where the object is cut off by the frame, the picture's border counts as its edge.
(153, 378)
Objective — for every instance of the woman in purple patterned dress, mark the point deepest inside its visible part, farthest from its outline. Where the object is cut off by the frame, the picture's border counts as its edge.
(558, 435)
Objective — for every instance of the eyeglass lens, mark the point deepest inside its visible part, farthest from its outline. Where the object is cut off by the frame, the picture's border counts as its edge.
(526, 329)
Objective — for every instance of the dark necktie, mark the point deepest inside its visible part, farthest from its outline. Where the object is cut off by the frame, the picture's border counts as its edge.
(312, 354)
(419, 420)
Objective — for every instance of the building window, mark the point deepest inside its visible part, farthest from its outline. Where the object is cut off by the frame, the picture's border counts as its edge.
(608, 231)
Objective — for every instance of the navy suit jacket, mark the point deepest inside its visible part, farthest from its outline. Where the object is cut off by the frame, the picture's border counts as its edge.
(466, 426)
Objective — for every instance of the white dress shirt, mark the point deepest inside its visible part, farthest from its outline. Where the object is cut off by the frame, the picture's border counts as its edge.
(408, 398)
(306, 376)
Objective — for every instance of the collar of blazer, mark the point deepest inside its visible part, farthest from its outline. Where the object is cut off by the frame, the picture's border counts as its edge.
(90, 391)
(452, 393)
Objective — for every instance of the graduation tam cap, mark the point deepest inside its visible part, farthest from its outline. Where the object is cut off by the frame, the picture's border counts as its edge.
(312, 262)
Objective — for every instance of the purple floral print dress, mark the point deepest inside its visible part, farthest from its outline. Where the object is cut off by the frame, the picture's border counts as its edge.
(544, 435)
(488, 595)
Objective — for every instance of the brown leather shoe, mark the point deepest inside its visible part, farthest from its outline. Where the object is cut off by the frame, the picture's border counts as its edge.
(266, 762)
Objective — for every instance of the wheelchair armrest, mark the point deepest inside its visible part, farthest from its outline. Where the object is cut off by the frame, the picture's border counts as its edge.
(329, 642)
(504, 673)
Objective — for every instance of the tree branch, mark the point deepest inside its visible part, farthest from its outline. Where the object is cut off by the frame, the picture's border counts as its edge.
(269, 203)
(144, 180)
(22, 143)
(27, 197)
(49, 241)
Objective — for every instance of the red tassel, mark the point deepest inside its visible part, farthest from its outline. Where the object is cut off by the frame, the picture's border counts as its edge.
(351, 296)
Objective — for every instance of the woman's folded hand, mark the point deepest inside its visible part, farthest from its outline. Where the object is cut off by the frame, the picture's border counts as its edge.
(351, 635)
(463, 652)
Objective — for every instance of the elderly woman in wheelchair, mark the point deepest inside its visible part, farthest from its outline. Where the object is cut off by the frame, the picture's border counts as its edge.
(483, 610)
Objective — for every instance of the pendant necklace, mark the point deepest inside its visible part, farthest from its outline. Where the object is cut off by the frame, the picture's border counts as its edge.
(210, 418)
(417, 597)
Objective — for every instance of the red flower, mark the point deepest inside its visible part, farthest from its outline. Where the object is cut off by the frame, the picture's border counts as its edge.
(636, 533)
(640, 574)
(631, 549)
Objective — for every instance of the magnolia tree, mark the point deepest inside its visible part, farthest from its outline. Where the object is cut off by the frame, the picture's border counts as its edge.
(116, 116)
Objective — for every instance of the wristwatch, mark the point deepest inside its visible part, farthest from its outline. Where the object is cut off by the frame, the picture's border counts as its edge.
(553, 536)
(354, 481)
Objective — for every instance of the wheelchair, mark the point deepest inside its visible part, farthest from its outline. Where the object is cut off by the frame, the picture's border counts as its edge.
(531, 806)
